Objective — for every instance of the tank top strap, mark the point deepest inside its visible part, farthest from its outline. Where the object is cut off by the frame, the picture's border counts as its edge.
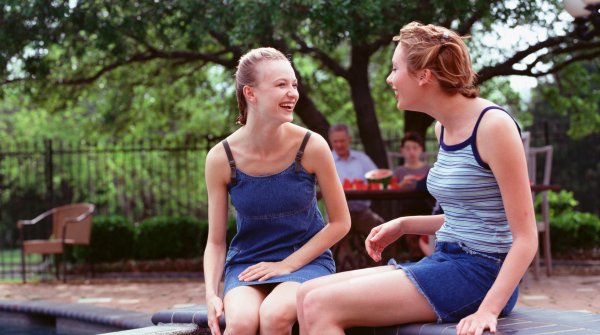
(231, 161)
(300, 152)
(483, 113)
(474, 135)
(441, 135)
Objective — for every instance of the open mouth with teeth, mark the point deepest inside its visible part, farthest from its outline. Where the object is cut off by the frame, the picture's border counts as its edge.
(288, 106)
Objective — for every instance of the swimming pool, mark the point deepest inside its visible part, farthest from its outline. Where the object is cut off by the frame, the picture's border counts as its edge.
(52, 318)
(28, 330)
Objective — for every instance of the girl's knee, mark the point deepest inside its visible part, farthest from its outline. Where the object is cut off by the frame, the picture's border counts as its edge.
(314, 304)
(241, 325)
(303, 291)
(306, 288)
(276, 317)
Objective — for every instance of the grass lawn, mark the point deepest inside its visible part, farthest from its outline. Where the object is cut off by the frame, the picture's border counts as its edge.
(14, 256)
(10, 266)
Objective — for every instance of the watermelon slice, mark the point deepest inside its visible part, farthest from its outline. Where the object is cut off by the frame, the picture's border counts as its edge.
(382, 176)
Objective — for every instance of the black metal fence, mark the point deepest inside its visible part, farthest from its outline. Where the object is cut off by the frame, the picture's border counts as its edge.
(137, 179)
(153, 177)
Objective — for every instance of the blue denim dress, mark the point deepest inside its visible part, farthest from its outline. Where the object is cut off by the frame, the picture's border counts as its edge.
(276, 215)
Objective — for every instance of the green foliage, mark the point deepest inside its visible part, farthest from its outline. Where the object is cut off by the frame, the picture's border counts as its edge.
(559, 203)
(96, 71)
(573, 166)
(573, 230)
(137, 179)
(24, 201)
(500, 92)
(170, 237)
(570, 230)
(574, 91)
(112, 240)
(134, 68)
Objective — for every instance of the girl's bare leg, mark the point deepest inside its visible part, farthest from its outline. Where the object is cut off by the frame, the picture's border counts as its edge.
(241, 309)
(278, 311)
(378, 298)
(333, 279)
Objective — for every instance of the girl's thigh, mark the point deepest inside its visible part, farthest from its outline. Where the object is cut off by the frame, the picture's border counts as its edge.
(243, 303)
(378, 298)
(283, 296)
(342, 276)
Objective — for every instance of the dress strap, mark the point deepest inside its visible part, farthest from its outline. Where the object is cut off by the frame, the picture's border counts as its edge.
(301, 151)
(231, 161)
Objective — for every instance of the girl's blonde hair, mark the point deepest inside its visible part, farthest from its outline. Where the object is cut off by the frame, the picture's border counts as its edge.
(443, 52)
(246, 75)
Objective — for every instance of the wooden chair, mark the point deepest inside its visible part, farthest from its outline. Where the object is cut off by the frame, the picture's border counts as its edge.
(71, 225)
(544, 155)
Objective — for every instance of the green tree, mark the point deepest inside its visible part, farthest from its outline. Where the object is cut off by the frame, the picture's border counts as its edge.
(565, 114)
(72, 51)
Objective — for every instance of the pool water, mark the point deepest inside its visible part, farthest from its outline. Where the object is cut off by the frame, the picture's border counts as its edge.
(28, 330)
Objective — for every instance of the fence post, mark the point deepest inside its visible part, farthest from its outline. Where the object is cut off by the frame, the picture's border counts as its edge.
(49, 171)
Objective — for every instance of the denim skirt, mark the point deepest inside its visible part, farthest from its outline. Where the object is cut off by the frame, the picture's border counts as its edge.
(455, 279)
(319, 267)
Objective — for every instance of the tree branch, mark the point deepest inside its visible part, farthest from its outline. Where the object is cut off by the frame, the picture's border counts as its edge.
(329, 62)
(224, 41)
(11, 81)
(580, 57)
(379, 43)
(466, 25)
(570, 50)
(181, 56)
(506, 67)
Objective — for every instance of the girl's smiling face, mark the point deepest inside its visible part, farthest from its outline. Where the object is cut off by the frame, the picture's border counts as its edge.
(276, 91)
(405, 84)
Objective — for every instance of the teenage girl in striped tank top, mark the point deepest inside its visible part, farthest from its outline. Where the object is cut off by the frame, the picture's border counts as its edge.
(487, 237)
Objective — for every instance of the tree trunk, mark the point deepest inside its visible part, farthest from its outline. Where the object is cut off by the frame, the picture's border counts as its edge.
(417, 122)
(310, 115)
(368, 126)
(312, 118)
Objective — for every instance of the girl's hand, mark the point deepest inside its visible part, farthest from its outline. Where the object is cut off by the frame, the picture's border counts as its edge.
(380, 237)
(476, 324)
(215, 310)
(264, 270)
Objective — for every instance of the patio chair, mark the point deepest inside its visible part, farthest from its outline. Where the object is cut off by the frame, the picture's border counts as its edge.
(71, 225)
(543, 226)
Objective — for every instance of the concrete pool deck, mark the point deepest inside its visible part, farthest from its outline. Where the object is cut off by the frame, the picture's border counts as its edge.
(562, 291)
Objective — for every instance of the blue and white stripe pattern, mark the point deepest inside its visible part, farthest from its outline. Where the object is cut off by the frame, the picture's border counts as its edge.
(470, 197)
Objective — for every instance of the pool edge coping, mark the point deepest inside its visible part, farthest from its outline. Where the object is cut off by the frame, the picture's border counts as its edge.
(80, 312)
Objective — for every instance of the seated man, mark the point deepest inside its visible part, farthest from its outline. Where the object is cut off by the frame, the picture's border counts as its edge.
(352, 164)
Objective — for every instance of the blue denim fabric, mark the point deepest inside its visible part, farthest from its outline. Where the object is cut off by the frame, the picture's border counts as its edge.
(455, 279)
(276, 215)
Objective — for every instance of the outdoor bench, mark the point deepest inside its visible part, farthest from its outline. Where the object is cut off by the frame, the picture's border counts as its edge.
(522, 321)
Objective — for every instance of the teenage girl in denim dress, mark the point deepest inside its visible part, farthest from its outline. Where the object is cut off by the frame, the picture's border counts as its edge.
(269, 168)
(487, 237)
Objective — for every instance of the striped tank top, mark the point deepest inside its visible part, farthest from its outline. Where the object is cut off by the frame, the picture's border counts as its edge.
(468, 192)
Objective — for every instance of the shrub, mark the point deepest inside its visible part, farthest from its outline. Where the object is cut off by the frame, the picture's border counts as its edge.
(570, 230)
(111, 240)
(170, 237)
